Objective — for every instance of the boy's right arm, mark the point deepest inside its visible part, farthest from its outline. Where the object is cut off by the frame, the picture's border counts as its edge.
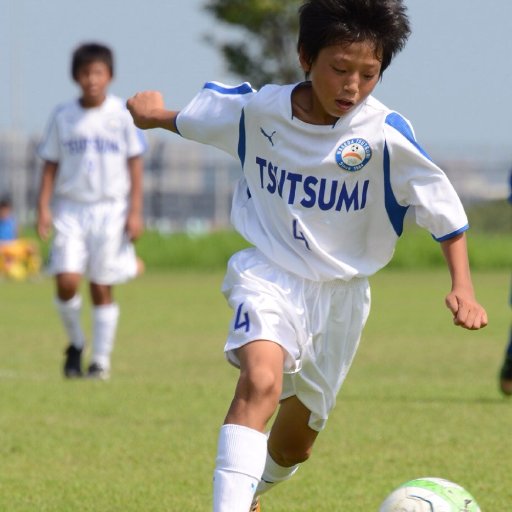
(148, 111)
(461, 301)
(44, 214)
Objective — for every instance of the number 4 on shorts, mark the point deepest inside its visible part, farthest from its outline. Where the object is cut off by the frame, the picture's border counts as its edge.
(242, 319)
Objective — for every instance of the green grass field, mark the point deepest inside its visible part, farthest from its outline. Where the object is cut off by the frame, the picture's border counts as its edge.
(421, 400)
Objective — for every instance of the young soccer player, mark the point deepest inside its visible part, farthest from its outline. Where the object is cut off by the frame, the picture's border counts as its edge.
(328, 175)
(91, 191)
(506, 367)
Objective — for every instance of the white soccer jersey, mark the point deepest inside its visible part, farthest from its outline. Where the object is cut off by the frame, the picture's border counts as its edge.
(325, 202)
(91, 146)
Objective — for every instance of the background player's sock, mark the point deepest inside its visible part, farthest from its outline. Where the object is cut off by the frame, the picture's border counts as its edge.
(274, 474)
(69, 312)
(104, 326)
(241, 454)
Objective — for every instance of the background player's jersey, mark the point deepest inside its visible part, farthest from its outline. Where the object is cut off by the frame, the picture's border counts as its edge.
(91, 147)
(325, 202)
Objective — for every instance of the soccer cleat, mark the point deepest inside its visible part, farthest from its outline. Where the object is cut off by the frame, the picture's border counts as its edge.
(255, 507)
(506, 376)
(73, 362)
(96, 371)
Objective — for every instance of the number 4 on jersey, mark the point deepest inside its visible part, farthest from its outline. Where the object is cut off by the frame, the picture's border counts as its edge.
(299, 235)
(242, 319)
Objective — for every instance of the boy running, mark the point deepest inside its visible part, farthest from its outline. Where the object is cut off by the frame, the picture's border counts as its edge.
(328, 175)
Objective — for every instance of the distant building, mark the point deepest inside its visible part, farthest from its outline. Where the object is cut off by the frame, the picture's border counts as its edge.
(188, 186)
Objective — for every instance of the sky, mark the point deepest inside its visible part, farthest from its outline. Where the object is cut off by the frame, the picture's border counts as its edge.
(453, 80)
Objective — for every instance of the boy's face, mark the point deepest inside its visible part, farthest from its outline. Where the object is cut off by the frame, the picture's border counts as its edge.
(5, 211)
(342, 77)
(94, 79)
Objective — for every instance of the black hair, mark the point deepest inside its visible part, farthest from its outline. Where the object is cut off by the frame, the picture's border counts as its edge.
(91, 52)
(324, 23)
(5, 202)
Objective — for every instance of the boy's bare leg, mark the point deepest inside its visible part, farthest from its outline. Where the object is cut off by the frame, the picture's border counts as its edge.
(242, 447)
(290, 443)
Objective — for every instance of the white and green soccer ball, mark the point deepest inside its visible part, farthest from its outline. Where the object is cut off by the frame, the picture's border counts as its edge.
(429, 495)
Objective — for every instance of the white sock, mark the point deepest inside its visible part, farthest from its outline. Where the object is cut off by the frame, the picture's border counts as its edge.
(104, 326)
(274, 474)
(241, 454)
(69, 312)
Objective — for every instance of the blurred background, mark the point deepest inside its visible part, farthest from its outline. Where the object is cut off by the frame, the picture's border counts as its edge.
(453, 81)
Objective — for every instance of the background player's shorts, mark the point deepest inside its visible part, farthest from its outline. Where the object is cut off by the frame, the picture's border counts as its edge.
(90, 239)
(318, 324)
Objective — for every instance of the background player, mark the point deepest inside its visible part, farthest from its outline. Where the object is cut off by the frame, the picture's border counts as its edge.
(93, 169)
(328, 175)
(506, 368)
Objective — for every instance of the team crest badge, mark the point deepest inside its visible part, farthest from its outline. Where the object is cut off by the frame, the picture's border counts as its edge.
(113, 124)
(353, 154)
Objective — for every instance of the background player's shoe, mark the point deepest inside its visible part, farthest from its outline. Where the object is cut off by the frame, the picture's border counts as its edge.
(96, 371)
(73, 362)
(255, 507)
(506, 376)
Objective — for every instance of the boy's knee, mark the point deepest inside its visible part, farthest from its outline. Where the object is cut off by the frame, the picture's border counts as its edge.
(260, 383)
(66, 289)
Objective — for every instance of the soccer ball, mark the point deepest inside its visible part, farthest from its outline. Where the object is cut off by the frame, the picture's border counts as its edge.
(429, 495)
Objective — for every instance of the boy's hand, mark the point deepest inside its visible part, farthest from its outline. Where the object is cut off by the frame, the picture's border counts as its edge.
(44, 224)
(144, 108)
(467, 312)
(134, 226)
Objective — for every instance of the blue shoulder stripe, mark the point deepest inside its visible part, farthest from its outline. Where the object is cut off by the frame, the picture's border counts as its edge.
(241, 139)
(402, 126)
(244, 88)
(396, 212)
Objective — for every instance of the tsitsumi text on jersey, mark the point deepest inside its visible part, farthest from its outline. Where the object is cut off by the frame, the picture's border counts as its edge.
(97, 145)
(311, 191)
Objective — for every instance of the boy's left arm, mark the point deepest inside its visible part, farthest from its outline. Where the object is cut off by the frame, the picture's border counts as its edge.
(461, 301)
(134, 220)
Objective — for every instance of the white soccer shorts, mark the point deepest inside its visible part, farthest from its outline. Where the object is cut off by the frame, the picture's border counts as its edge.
(90, 239)
(318, 324)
